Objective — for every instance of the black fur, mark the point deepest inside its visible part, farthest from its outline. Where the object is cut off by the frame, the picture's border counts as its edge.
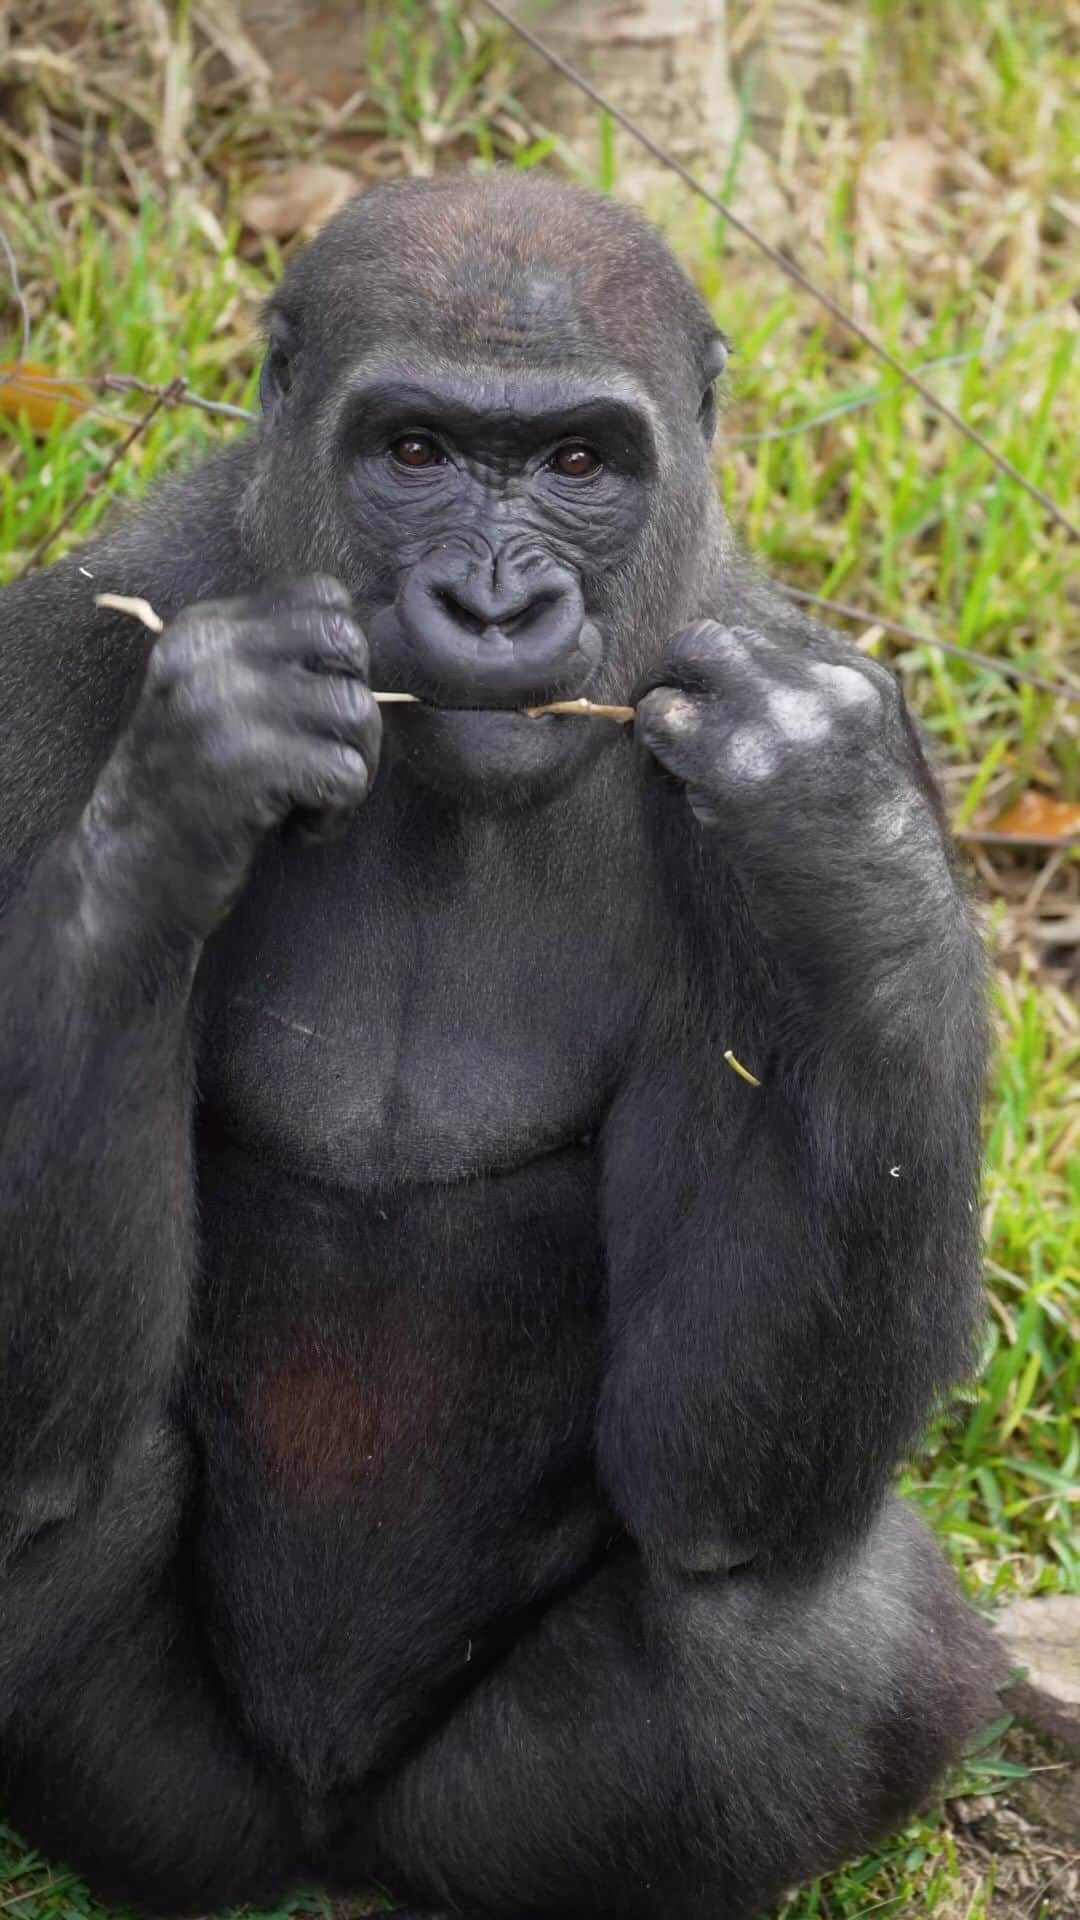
(446, 1412)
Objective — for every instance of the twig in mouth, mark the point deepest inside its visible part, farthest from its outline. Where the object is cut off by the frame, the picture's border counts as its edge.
(589, 709)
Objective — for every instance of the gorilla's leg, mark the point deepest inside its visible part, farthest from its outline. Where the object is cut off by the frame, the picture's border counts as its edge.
(694, 1749)
(127, 1767)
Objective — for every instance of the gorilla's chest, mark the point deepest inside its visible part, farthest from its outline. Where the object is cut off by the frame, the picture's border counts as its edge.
(367, 1027)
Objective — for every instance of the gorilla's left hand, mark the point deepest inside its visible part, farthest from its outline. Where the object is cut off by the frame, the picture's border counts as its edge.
(773, 1356)
(773, 740)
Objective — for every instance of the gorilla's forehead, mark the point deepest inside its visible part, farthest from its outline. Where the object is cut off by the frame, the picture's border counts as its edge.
(493, 312)
(504, 272)
(512, 312)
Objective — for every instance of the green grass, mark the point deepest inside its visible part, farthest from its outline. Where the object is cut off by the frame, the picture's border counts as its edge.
(881, 505)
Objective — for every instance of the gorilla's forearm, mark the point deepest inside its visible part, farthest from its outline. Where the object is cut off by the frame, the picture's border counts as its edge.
(795, 1270)
(96, 1188)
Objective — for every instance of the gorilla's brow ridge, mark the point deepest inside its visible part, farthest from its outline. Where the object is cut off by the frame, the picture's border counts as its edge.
(549, 392)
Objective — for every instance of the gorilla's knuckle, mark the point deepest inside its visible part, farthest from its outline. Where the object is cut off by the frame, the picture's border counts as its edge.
(352, 708)
(719, 640)
(323, 589)
(346, 772)
(799, 714)
(340, 638)
(750, 756)
(858, 690)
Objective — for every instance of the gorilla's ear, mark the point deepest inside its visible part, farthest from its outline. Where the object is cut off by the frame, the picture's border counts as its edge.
(717, 353)
(277, 367)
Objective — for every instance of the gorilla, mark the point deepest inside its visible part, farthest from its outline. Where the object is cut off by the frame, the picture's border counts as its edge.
(487, 1200)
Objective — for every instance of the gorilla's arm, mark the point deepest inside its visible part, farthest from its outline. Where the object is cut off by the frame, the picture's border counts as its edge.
(95, 1186)
(794, 1267)
(137, 788)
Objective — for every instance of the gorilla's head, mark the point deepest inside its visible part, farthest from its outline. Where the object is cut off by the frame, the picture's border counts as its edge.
(488, 407)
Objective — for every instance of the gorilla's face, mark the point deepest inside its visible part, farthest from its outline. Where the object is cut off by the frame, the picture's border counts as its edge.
(487, 510)
(505, 496)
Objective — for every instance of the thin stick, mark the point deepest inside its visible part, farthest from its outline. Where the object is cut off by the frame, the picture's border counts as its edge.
(786, 265)
(175, 394)
(138, 609)
(744, 1073)
(589, 709)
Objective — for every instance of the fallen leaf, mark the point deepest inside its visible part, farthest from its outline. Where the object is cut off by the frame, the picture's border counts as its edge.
(28, 391)
(297, 199)
(1035, 812)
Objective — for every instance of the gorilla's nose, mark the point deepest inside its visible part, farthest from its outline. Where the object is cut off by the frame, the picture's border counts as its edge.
(493, 633)
(507, 604)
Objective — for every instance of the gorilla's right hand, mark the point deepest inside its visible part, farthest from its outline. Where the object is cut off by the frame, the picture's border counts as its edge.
(250, 710)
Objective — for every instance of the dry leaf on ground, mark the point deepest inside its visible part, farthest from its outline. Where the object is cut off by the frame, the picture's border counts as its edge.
(1036, 812)
(297, 199)
(28, 391)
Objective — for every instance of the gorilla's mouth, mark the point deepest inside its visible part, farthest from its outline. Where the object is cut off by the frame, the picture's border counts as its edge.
(489, 671)
(492, 752)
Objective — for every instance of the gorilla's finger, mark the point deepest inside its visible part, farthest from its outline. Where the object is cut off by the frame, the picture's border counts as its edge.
(296, 591)
(322, 639)
(341, 707)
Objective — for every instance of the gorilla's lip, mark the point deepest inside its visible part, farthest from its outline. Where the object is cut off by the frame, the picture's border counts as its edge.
(427, 699)
(420, 703)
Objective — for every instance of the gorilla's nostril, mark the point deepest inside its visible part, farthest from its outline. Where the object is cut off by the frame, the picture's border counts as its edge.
(508, 616)
(528, 615)
(461, 614)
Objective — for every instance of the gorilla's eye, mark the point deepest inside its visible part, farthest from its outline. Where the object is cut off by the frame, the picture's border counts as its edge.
(416, 450)
(577, 462)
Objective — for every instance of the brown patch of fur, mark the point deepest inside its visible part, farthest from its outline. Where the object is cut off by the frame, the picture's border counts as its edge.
(316, 1426)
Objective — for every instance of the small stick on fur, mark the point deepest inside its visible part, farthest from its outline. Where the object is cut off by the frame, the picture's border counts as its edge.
(744, 1073)
(139, 609)
(142, 611)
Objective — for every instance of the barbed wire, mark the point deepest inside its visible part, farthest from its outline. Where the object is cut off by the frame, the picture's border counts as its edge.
(96, 481)
(182, 395)
(786, 265)
(842, 611)
(984, 351)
